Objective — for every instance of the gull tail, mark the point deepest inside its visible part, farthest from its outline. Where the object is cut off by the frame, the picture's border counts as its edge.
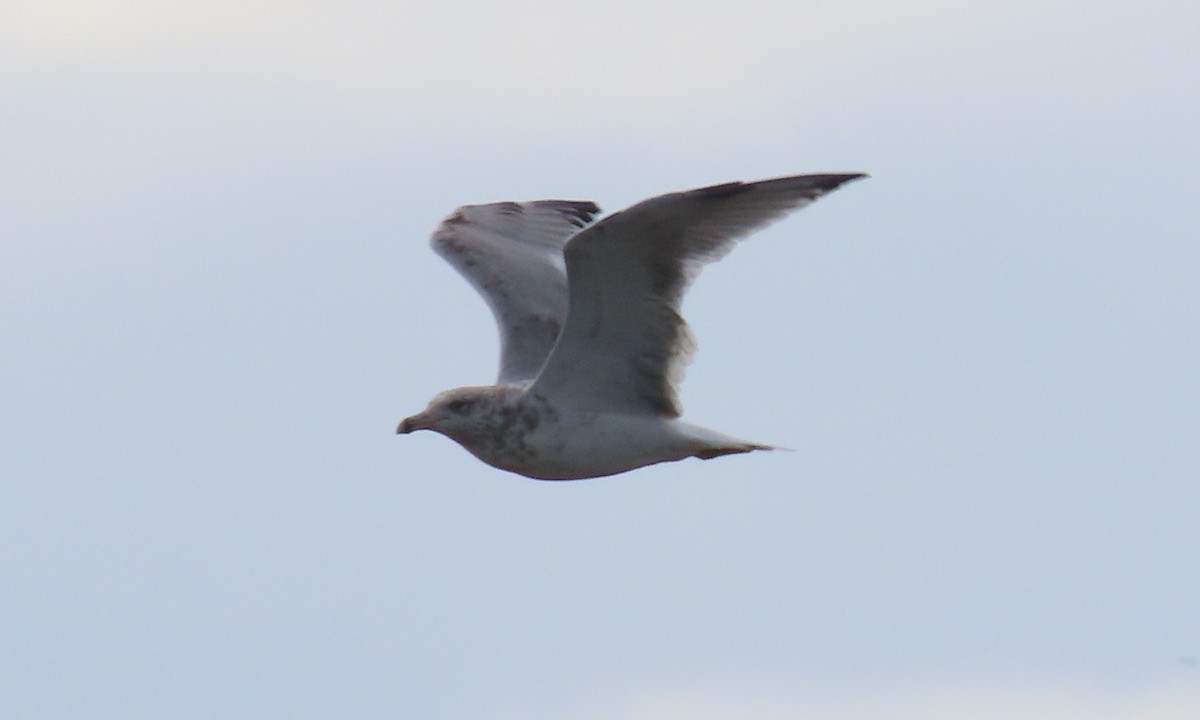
(709, 444)
(716, 452)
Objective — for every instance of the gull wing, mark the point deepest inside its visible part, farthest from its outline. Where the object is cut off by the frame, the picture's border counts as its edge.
(625, 344)
(512, 254)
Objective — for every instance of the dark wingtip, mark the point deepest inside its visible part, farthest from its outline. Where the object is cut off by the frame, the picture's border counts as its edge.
(580, 211)
(832, 181)
(816, 185)
(813, 185)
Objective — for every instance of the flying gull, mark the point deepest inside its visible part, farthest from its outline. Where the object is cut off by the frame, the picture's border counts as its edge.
(593, 346)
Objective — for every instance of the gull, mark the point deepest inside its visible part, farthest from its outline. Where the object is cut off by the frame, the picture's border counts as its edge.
(592, 342)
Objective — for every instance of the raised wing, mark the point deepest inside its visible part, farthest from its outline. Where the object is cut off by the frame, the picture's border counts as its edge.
(625, 345)
(512, 254)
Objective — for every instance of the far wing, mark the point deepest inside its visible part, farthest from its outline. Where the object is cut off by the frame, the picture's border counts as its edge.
(625, 344)
(512, 254)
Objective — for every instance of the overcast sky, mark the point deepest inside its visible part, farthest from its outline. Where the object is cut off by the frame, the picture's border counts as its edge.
(217, 300)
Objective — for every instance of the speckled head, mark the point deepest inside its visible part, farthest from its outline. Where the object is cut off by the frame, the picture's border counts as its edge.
(460, 414)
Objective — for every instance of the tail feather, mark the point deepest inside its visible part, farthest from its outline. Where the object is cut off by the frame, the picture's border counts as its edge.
(715, 452)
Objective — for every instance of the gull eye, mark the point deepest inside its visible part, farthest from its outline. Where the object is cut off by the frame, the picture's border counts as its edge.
(457, 406)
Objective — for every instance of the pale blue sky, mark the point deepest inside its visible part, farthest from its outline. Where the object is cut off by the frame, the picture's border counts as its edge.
(217, 300)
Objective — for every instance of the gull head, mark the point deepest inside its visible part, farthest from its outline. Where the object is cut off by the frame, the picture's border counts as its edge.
(460, 414)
